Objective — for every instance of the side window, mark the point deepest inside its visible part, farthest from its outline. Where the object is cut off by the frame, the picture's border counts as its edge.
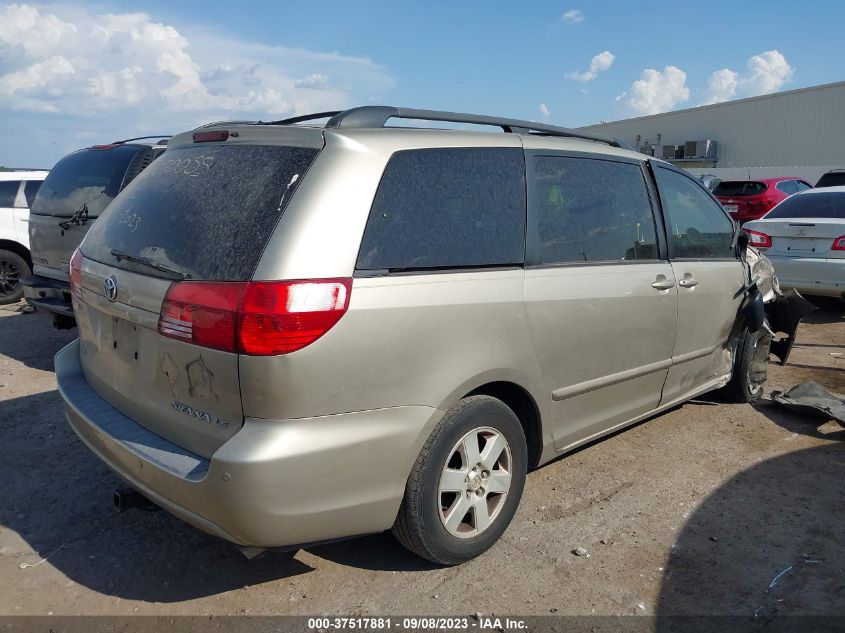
(8, 192)
(800, 185)
(591, 210)
(447, 208)
(697, 226)
(787, 186)
(30, 189)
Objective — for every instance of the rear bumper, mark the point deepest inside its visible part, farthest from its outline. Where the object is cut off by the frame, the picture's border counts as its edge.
(275, 483)
(48, 294)
(812, 276)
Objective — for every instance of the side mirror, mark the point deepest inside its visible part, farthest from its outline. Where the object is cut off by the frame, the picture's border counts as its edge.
(742, 241)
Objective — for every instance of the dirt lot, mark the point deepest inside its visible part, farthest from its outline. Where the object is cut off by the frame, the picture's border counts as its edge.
(694, 511)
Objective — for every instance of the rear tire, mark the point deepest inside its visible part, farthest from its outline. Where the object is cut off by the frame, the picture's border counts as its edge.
(742, 388)
(466, 483)
(13, 268)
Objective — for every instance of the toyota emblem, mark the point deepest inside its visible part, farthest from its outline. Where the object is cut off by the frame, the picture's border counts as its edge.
(110, 288)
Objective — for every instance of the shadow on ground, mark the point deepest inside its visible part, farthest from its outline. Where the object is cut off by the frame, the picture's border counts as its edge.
(786, 509)
(830, 310)
(16, 340)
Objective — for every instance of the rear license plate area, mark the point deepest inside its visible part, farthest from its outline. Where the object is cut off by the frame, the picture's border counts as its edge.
(124, 342)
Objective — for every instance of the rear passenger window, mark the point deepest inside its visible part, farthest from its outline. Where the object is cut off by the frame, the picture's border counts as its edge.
(589, 210)
(697, 226)
(8, 192)
(787, 186)
(30, 189)
(447, 208)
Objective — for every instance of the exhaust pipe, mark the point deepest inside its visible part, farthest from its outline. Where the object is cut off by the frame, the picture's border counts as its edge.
(128, 498)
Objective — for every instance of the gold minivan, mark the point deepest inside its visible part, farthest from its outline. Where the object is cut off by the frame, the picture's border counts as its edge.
(295, 332)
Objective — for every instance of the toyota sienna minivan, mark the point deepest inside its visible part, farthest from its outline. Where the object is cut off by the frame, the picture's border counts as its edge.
(293, 332)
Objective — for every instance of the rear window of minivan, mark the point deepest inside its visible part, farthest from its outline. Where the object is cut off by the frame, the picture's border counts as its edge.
(447, 208)
(90, 177)
(202, 211)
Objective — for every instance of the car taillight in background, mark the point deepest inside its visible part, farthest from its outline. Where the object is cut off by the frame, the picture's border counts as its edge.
(761, 205)
(75, 274)
(257, 318)
(839, 244)
(758, 239)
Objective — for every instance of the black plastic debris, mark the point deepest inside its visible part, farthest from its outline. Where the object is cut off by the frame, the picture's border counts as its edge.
(811, 398)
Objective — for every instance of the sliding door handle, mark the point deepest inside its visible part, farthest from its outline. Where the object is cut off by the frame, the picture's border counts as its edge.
(662, 283)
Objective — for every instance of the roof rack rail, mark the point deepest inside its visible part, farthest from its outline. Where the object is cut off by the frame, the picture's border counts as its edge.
(141, 138)
(305, 117)
(377, 116)
(226, 122)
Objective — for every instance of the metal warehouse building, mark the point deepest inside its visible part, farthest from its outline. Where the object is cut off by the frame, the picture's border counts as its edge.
(793, 133)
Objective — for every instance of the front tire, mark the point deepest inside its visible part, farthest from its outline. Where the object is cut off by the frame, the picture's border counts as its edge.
(466, 483)
(744, 386)
(13, 268)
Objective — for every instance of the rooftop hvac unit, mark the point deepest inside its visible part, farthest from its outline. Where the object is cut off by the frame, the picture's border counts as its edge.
(705, 150)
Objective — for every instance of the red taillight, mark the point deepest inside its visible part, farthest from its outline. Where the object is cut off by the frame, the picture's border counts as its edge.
(258, 318)
(108, 146)
(208, 137)
(75, 274)
(762, 203)
(202, 312)
(839, 244)
(758, 239)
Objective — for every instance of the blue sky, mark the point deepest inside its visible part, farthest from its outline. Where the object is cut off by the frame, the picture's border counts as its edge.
(75, 74)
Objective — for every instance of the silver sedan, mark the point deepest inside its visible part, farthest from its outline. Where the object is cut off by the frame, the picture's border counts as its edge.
(804, 237)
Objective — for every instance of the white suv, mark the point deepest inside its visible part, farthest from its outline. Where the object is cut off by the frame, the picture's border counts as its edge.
(17, 191)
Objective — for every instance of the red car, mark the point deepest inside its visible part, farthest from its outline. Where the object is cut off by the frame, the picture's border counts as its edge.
(751, 199)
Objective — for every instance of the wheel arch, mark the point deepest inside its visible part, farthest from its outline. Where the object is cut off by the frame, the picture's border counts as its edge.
(18, 249)
(520, 401)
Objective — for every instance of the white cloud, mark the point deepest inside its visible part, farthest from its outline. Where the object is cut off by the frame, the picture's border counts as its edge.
(573, 16)
(315, 81)
(658, 91)
(544, 111)
(129, 68)
(721, 86)
(767, 72)
(598, 64)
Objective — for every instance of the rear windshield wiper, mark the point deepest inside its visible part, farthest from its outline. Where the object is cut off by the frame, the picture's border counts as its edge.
(80, 216)
(120, 256)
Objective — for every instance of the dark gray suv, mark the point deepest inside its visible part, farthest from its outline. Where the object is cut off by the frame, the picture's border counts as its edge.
(74, 194)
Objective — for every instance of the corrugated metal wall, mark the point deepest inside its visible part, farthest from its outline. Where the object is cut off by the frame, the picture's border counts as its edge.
(800, 127)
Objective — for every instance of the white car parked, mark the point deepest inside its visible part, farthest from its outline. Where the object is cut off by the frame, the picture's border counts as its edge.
(804, 237)
(17, 191)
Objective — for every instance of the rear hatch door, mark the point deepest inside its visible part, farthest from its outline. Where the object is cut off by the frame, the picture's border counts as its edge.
(203, 211)
(73, 195)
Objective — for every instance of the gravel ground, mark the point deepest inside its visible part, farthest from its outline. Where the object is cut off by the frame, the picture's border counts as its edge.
(696, 511)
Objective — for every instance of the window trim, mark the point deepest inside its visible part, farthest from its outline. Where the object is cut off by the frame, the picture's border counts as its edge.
(532, 246)
(654, 165)
(374, 273)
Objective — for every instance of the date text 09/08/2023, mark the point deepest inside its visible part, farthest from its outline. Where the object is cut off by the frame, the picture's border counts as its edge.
(417, 623)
